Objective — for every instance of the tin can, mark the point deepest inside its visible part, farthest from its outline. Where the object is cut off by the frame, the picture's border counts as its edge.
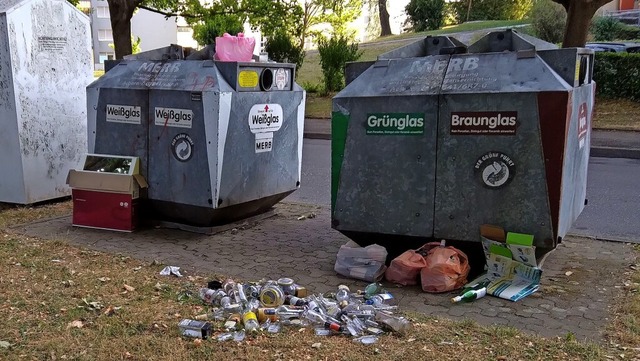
(287, 285)
(193, 328)
(266, 313)
(300, 291)
(271, 296)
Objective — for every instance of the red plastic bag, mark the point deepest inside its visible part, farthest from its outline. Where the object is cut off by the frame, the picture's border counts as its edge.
(446, 268)
(406, 268)
(234, 48)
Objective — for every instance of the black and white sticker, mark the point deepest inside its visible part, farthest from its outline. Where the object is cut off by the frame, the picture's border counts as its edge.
(495, 169)
(281, 78)
(265, 118)
(182, 147)
(127, 114)
(264, 142)
(173, 117)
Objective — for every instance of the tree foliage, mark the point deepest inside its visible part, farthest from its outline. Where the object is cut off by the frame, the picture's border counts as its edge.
(283, 48)
(268, 16)
(426, 14)
(339, 14)
(335, 52)
(548, 20)
(206, 31)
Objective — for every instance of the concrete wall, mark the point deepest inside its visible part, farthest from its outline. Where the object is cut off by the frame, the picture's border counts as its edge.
(49, 46)
(12, 181)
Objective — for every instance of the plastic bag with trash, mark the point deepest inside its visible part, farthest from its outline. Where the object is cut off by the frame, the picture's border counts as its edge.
(405, 269)
(446, 270)
(364, 263)
(234, 48)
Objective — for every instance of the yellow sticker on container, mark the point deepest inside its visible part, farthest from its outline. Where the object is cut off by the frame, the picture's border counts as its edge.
(248, 79)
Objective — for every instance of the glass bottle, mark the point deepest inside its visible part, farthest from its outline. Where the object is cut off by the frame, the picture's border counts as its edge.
(470, 295)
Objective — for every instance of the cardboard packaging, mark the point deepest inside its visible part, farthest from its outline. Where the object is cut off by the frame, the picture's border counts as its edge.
(512, 268)
(106, 192)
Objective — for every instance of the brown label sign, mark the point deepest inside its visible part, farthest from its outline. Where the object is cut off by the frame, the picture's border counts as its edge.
(491, 123)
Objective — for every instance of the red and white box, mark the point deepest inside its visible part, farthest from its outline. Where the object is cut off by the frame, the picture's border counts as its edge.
(106, 192)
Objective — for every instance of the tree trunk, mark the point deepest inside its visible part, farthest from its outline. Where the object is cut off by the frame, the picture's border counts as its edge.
(121, 12)
(579, 14)
(577, 28)
(385, 28)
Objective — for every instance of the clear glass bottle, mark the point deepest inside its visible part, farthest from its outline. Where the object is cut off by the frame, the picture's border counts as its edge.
(395, 323)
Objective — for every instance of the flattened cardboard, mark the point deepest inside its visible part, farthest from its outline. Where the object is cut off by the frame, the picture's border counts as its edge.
(106, 182)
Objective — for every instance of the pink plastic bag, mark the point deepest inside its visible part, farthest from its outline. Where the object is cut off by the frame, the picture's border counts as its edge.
(234, 48)
(446, 270)
(405, 269)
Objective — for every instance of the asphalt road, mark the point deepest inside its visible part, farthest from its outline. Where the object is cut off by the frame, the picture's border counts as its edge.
(613, 191)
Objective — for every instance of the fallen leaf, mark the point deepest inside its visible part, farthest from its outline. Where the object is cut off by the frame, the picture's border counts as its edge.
(301, 330)
(411, 340)
(75, 324)
(316, 345)
(104, 279)
(109, 311)
(568, 273)
(197, 342)
(501, 358)
(127, 355)
(4, 344)
(129, 288)
(137, 268)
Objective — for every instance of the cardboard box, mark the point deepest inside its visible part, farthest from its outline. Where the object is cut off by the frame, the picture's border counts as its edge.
(106, 192)
(512, 270)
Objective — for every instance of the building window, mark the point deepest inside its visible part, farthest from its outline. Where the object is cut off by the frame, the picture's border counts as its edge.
(105, 35)
(106, 56)
(102, 11)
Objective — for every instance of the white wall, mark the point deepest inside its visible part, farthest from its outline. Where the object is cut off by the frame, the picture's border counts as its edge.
(153, 29)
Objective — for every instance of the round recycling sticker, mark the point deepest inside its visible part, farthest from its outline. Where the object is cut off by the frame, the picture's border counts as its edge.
(495, 169)
(182, 147)
(281, 78)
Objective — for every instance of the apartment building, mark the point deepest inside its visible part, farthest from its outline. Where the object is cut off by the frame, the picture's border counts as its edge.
(153, 29)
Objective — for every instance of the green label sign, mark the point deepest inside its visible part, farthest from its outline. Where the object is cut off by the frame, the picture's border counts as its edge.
(395, 124)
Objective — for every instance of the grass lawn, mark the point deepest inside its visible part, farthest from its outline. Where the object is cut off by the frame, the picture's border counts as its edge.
(469, 26)
(620, 114)
(61, 302)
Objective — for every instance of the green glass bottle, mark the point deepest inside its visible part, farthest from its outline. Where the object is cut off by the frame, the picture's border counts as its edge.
(475, 286)
(470, 295)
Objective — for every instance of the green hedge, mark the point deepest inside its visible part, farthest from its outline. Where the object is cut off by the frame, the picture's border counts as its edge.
(617, 75)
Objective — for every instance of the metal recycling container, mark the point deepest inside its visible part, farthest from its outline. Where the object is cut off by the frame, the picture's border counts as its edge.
(45, 66)
(434, 139)
(218, 141)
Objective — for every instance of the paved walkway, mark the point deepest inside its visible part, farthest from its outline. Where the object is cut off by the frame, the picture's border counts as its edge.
(581, 277)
